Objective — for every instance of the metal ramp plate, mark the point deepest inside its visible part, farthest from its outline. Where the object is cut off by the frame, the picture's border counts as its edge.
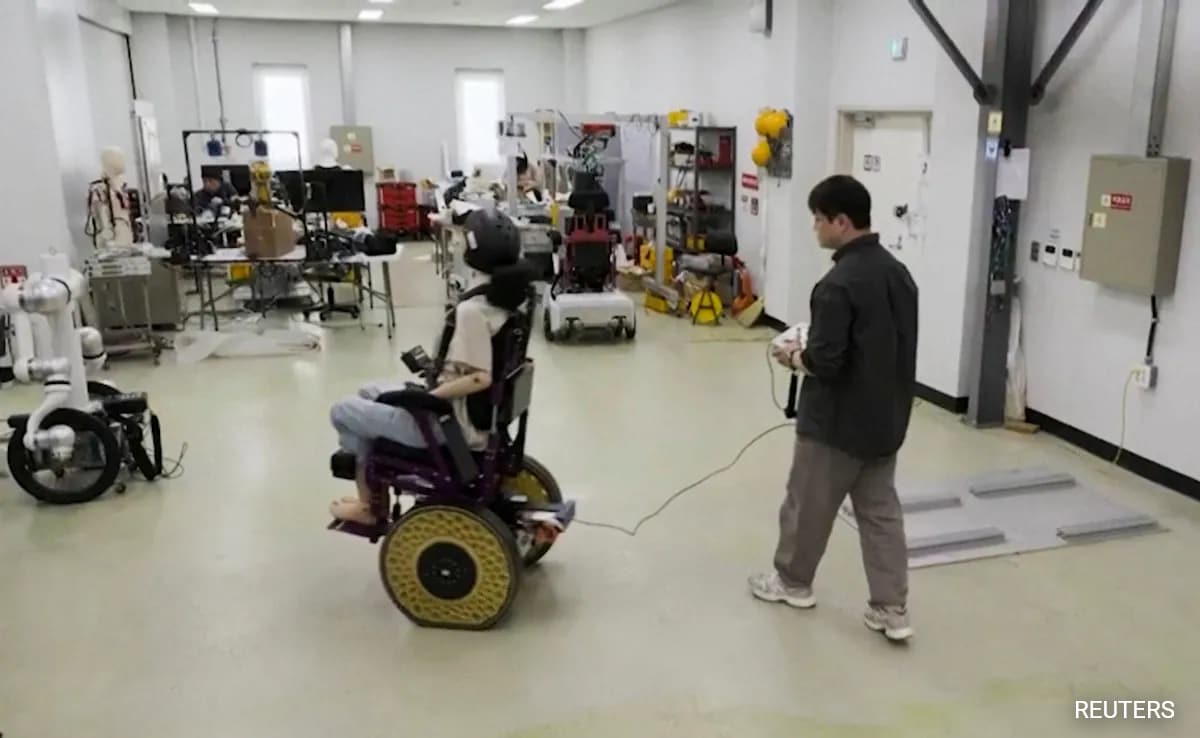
(1007, 512)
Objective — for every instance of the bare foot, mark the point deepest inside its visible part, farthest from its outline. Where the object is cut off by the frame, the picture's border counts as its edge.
(352, 511)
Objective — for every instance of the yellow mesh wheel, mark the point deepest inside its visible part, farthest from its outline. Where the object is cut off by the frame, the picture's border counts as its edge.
(451, 567)
(536, 484)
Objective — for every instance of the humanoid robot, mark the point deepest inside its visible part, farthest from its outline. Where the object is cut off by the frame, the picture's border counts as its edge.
(328, 157)
(112, 204)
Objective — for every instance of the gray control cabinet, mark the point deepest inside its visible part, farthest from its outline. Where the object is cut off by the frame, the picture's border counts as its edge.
(356, 147)
(1134, 225)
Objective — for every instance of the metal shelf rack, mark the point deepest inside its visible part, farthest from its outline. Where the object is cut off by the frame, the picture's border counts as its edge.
(711, 169)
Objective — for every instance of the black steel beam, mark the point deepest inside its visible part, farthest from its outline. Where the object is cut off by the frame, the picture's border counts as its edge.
(1064, 48)
(1008, 66)
(983, 94)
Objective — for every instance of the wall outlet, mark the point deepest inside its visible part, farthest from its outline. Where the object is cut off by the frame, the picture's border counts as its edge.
(1145, 376)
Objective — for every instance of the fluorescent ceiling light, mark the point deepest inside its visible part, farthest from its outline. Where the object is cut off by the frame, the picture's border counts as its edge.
(561, 4)
(370, 15)
(204, 8)
(520, 20)
(382, 2)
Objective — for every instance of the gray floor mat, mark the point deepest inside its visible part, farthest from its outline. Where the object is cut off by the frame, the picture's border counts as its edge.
(1007, 512)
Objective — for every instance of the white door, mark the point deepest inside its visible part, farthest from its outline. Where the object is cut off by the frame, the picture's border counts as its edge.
(110, 91)
(889, 153)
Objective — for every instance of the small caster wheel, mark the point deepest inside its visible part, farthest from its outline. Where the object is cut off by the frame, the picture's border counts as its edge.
(630, 331)
(546, 326)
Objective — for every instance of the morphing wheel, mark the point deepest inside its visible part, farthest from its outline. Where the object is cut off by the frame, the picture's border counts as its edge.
(536, 484)
(451, 567)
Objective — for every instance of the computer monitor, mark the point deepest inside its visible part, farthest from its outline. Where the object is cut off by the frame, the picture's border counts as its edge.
(237, 175)
(328, 190)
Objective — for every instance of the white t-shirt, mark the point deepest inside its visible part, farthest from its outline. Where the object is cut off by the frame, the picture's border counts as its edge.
(470, 351)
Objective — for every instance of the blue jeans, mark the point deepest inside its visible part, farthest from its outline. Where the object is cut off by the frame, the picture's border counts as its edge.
(359, 420)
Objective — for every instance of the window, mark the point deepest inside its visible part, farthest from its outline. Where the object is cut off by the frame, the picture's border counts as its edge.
(281, 95)
(479, 97)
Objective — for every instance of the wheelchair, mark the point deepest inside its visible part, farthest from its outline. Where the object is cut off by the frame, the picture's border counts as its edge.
(454, 559)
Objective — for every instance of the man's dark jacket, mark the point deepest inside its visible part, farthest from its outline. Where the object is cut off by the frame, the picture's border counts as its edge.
(861, 354)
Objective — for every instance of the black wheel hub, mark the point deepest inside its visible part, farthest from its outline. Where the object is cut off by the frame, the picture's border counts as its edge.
(447, 571)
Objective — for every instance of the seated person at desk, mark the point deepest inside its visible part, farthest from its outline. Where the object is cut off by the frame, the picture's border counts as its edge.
(493, 253)
(215, 193)
(528, 182)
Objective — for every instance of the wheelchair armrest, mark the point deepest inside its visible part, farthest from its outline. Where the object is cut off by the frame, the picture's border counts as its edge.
(416, 400)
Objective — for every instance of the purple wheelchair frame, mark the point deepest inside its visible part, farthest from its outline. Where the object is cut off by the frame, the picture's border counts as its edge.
(436, 472)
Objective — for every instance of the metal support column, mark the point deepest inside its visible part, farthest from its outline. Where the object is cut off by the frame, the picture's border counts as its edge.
(346, 57)
(1152, 76)
(1006, 90)
(1008, 69)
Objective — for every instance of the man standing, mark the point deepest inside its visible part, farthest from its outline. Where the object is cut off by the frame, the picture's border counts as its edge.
(859, 366)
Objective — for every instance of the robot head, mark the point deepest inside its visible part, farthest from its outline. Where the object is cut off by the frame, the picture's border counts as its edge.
(112, 161)
(328, 156)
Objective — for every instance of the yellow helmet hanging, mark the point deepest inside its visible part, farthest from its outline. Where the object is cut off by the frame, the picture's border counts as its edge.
(761, 154)
(774, 123)
(760, 123)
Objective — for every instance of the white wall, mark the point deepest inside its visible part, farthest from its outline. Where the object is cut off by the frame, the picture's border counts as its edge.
(34, 214)
(404, 80)
(67, 84)
(866, 78)
(154, 67)
(110, 92)
(821, 58)
(106, 14)
(1081, 339)
(574, 68)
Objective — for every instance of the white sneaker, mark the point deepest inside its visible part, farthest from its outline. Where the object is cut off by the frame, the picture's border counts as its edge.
(770, 588)
(891, 621)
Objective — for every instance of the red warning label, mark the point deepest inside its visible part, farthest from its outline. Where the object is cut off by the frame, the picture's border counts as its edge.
(1121, 201)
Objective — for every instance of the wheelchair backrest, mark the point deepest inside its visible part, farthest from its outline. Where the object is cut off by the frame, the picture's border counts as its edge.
(494, 408)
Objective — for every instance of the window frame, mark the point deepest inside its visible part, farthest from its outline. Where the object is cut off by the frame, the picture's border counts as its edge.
(465, 74)
(302, 72)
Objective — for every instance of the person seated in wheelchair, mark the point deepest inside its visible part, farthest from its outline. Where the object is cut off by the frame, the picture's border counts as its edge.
(500, 285)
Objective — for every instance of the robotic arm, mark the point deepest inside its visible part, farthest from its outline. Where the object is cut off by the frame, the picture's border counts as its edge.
(47, 348)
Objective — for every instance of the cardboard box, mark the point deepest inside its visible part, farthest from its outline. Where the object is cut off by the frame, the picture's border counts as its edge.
(268, 234)
(631, 279)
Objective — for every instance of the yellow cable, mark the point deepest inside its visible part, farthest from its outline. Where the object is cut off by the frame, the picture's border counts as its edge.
(1124, 409)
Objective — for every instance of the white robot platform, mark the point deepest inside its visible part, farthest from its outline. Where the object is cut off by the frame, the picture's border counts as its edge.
(570, 314)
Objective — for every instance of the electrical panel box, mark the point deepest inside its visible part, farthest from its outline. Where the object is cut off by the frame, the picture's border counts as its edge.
(355, 147)
(1134, 225)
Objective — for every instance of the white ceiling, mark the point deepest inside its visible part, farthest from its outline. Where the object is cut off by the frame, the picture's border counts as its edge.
(446, 12)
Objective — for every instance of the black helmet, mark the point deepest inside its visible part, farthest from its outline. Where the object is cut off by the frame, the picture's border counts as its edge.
(493, 241)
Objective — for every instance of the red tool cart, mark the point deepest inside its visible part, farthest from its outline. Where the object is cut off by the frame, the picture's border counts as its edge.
(397, 207)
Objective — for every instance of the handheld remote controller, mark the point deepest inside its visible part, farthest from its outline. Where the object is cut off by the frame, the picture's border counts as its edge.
(796, 334)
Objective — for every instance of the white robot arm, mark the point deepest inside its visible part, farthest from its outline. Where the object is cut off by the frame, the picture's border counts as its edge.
(47, 348)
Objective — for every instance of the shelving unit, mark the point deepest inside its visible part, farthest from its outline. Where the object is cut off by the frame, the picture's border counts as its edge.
(707, 180)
